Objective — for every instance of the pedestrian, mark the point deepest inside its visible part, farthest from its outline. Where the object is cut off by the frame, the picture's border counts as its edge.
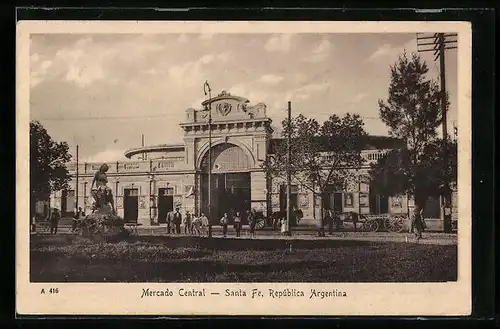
(187, 224)
(224, 221)
(79, 215)
(170, 222)
(237, 224)
(298, 215)
(285, 229)
(424, 225)
(54, 221)
(336, 218)
(196, 225)
(355, 219)
(204, 223)
(329, 220)
(177, 221)
(417, 223)
(252, 221)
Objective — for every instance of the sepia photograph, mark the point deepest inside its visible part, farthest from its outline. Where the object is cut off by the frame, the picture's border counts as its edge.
(278, 161)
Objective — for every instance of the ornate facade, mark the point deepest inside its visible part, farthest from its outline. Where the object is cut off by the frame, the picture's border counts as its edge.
(157, 179)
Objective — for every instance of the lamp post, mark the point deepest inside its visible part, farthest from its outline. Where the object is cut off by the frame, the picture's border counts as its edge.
(208, 90)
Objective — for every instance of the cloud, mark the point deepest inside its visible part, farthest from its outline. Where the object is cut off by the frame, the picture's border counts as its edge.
(271, 79)
(321, 51)
(280, 42)
(359, 97)
(194, 71)
(388, 50)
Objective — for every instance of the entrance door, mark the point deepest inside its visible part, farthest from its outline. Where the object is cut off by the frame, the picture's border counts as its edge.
(379, 204)
(337, 202)
(230, 193)
(165, 203)
(293, 197)
(131, 205)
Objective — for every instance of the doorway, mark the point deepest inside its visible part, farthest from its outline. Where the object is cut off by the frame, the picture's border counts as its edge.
(337, 202)
(131, 205)
(230, 193)
(293, 197)
(379, 204)
(165, 203)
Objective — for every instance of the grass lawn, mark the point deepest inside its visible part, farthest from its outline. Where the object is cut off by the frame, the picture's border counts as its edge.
(191, 259)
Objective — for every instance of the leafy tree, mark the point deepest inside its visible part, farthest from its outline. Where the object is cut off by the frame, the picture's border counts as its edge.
(48, 160)
(322, 156)
(413, 113)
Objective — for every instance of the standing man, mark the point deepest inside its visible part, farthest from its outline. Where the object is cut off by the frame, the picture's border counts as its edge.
(54, 221)
(170, 222)
(417, 223)
(187, 224)
(177, 221)
(252, 221)
(78, 217)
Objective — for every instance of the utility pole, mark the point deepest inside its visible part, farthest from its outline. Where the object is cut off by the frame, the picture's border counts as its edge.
(439, 44)
(76, 188)
(208, 90)
(288, 171)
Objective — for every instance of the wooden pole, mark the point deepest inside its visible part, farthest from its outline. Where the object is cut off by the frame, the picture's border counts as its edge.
(76, 188)
(288, 171)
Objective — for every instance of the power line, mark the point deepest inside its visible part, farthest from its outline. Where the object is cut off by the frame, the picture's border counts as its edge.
(102, 118)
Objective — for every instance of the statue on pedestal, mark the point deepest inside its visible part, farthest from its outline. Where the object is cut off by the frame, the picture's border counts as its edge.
(103, 220)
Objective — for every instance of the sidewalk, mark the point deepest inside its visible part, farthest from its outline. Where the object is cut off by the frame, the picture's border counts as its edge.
(311, 233)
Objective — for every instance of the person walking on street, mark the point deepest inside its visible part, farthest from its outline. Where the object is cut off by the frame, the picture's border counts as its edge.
(170, 222)
(78, 217)
(54, 221)
(355, 219)
(187, 224)
(204, 224)
(237, 224)
(329, 218)
(196, 225)
(177, 221)
(252, 222)
(417, 223)
(224, 221)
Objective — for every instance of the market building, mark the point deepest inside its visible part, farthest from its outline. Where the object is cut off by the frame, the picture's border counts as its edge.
(159, 178)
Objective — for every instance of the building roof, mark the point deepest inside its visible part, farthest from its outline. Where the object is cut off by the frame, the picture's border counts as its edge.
(154, 148)
(371, 142)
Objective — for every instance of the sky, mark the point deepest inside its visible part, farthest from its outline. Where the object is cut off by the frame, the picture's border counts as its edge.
(104, 91)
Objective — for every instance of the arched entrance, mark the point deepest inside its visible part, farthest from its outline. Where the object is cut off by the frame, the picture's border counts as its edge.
(230, 181)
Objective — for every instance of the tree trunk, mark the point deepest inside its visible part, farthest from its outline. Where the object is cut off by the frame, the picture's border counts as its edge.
(321, 231)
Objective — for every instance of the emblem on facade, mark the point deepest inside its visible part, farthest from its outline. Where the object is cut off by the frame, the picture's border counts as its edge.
(224, 108)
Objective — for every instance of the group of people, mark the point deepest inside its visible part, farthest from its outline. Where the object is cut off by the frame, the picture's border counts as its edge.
(279, 219)
(196, 225)
(200, 225)
(237, 221)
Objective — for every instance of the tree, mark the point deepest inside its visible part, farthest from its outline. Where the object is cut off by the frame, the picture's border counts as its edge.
(48, 160)
(413, 113)
(322, 156)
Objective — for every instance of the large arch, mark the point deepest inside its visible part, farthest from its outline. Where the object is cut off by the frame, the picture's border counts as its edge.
(230, 189)
(203, 152)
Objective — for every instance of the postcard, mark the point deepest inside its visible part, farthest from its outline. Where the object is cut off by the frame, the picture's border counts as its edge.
(270, 168)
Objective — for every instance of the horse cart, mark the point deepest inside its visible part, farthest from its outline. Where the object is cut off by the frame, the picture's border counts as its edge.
(389, 222)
